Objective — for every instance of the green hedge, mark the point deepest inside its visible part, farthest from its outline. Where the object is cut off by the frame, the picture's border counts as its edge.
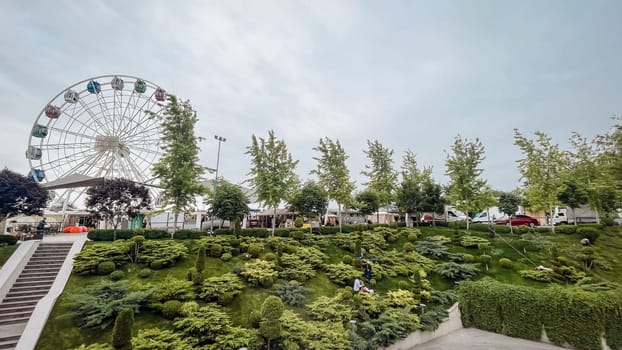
(568, 314)
(8, 239)
(188, 234)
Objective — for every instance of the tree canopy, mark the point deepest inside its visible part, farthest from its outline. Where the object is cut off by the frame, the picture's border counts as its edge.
(229, 202)
(382, 176)
(178, 170)
(409, 194)
(116, 199)
(272, 171)
(20, 195)
(310, 200)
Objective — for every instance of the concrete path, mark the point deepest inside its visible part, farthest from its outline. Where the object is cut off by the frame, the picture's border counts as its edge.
(472, 339)
(64, 237)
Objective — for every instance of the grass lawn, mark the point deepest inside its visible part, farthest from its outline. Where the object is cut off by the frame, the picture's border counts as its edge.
(61, 332)
(6, 252)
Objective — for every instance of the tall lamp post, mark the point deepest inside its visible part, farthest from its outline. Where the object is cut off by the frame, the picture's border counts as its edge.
(220, 140)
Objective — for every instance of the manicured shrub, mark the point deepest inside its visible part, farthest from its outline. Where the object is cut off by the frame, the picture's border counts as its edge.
(270, 257)
(412, 236)
(408, 247)
(8, 239)
(543, 229)
(157, 264)
(105, 267)
(506, 263)
(298, 223)
(122, 331)
(608, 221)
(156, 234)
(171, 309)
(215, 250)
(199, 264)
(297, 235)
(116, 275)
(144, 273)
(182, 234)
(226, 257)
(347, 259)
(567, 229)
(590, 233)
(254, 318)
(468, 258)
(255, 249)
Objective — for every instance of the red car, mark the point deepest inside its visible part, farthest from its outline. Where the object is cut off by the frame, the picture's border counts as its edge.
(518, 220)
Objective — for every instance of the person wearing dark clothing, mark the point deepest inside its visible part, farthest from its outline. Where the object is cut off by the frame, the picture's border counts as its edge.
(41, 224)
(367, 270)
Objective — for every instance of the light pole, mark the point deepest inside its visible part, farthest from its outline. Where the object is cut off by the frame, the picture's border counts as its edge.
(220, 140)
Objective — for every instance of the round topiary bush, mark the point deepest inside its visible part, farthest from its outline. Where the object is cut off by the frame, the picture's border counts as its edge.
(347, 259)
(226, 257)
(270, 257)
(298, 223)
(506, 263)
(255, 249)
(590, 233)
(297, 235)
(468, 258)
(215, 250)
(171, 309)
(105, 267)
(408, 247)
(357, 263)
(144, 273)
(116, 275)
(412, 237)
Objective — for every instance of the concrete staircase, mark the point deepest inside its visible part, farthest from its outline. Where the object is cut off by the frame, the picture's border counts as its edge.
(33, 283)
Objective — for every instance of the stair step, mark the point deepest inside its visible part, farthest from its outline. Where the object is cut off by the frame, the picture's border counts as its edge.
(9, 303)
(32, 273)
(9, 338)
(35, 279)
(23, 293)
(30, 298)
(14, 320)
(5, 316)
(8, 345)
(41, 269)
(33, 283)
(14, 310)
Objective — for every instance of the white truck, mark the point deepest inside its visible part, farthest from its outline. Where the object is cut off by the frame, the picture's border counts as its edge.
(582, 215)
(489, 215)
(450, 214)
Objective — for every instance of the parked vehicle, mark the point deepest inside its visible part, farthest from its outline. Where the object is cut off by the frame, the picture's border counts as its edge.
(581, 215)
(490, 215)
(451, 214)
(518, 220)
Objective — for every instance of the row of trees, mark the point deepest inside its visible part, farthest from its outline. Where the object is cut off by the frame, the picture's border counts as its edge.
(589, 173)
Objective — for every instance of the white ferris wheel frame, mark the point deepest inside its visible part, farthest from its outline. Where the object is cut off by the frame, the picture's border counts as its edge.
(112, 133)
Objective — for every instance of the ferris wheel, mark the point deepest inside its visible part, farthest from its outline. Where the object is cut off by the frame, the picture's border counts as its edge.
(107, 126)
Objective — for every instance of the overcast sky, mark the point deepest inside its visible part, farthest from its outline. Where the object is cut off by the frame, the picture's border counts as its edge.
(411, 74)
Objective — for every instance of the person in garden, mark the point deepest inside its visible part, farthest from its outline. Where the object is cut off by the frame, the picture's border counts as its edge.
(367, 270)
(41, 224)
(359, 286)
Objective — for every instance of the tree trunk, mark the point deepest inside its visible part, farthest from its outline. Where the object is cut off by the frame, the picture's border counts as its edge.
(574, 216)
(273, 221)
(339, 210)
(552, 221)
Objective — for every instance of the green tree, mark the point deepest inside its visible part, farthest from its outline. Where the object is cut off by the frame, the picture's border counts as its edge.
(178, 170)
(229, 203)
(311, 200)
(272, 171)
(367, 202)
(573, 196)
(466, 189)
(542, 169)
(122, 331)
(409, 194)
(508, 204)
(116, 199)
(432, 199)
(270, 325)
(20, 195)
(200, 262)
(333, 174)
(382, 176)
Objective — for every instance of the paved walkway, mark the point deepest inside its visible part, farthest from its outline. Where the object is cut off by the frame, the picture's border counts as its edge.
(65, 237)
(472, 339)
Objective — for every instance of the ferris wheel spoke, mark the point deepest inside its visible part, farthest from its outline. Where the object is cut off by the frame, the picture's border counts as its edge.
(94, 117)
(73, 133)
(69, 145)
(71, 116)
(142, 158)
(85, 160)
(63, 160)
(131, 97)
(131, 124)
(138, 173)
(103, 106)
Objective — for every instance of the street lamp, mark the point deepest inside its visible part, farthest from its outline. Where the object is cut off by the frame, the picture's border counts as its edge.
(220, 140)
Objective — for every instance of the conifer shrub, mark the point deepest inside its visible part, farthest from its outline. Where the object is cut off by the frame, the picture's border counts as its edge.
(590, 233)
(255, 250)
(116, 275)
(408, 247)
(199, 264)
(122, 331)
(347, 259)
(297, 235)
(215, 250)
(226, 257)
(144, 273)
(506, 263)
(270, 257)
(171, 309)
(299, 222)
(105, 267)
